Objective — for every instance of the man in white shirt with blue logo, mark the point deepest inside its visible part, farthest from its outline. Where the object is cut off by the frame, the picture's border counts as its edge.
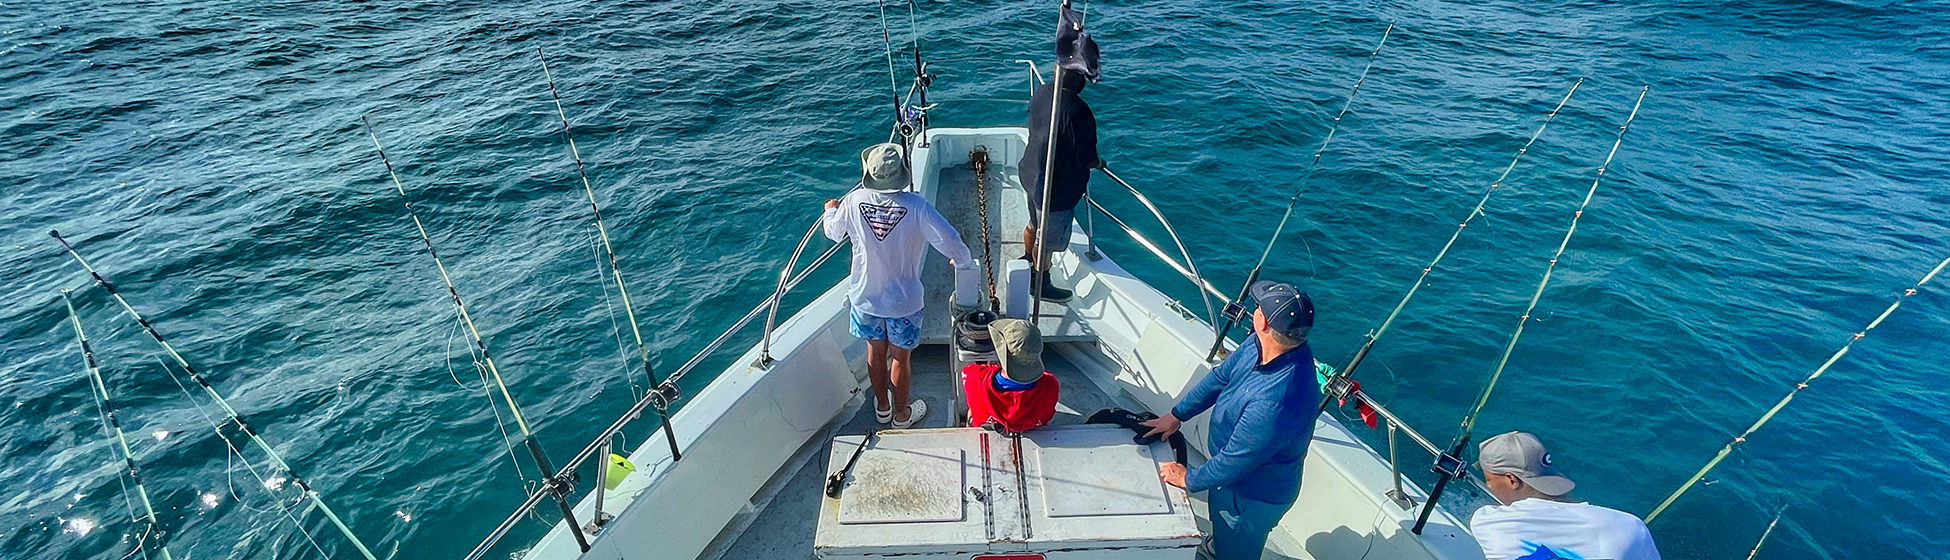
(891, 228)
(1538, 521)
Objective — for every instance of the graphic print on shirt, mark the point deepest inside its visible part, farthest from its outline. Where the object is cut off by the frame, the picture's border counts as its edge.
(1544, 552)
(881, 219)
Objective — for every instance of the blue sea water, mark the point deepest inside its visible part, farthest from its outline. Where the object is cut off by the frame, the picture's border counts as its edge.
(1783, 182)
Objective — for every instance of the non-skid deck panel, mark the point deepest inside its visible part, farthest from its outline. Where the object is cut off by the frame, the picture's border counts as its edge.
(957, 199)
(785, 529)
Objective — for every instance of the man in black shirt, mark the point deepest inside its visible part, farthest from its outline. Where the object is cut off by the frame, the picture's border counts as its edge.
(1075, 150)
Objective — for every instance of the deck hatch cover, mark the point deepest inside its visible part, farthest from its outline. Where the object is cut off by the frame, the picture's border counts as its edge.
(1101, 481)
(905, 486)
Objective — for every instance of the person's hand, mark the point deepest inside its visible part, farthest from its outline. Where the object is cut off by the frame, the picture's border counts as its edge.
(832, 203)
(1162, 426)
(1172, 473)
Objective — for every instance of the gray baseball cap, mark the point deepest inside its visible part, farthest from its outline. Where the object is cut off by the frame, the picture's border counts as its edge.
(883, 167)
(1521, 454)
(1019, 344)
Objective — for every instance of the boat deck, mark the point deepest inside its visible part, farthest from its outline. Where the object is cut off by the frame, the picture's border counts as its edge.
(956, 197)
(784, 516)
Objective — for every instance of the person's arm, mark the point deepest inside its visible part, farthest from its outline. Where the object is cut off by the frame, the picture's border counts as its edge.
(834, 220)
(944, 238)
(1254, 437)
(1206, 392)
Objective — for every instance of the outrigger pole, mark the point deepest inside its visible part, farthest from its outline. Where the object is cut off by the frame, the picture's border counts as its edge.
(555, 484)
(1367, 345)
(1236, 310)
(616, 272)
(1450, 465)
(1040, 277)
(1769, 415)
(277, 461)
(113, 425)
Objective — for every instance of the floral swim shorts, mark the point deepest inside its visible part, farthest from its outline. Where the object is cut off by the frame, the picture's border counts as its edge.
(904, 332)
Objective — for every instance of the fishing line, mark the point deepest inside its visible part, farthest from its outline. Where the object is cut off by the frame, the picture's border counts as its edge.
(113, 425)
(475, 361)
(1367, 345)
(1235, 311)
(893, 84)
(558, 485)
(1776, 409)
(277, 460)
(1450, 464)
(616, 270)
(615, 330)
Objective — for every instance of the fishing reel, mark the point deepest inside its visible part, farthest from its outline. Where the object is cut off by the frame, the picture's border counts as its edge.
(664, 395)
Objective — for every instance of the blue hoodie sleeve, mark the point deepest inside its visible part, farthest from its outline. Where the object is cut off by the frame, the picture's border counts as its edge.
(1254, 438)
(1203, 394)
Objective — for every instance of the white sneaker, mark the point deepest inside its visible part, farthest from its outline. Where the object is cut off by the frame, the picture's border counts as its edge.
(915, 412)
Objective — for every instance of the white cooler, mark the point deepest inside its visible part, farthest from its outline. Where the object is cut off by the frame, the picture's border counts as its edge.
(1064, 493)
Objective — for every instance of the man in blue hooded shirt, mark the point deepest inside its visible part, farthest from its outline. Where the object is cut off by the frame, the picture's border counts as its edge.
(1263, 400)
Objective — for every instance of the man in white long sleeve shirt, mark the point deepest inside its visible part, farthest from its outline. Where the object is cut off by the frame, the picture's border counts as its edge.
(891, 229)
(1538, 520)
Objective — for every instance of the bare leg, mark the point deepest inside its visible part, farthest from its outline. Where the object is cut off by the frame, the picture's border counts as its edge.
(903, 360)
(1029, 244)
(877, 372)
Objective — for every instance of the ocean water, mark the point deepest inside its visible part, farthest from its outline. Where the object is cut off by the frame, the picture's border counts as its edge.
(1783, 182)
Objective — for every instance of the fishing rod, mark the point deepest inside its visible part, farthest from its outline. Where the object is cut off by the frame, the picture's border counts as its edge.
(1776, 409)
(1770, 530)
(556, 484)
(111, 423)
(277, 460)
(1347, 371)
(1236, 310)
(1450, 465)
(616, 271)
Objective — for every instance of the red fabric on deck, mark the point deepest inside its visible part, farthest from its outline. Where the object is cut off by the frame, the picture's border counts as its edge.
(1015, 411)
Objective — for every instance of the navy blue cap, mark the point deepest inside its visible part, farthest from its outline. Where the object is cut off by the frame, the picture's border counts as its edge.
(1288, 311)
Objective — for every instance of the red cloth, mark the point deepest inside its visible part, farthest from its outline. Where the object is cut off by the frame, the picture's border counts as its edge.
(1015, 411)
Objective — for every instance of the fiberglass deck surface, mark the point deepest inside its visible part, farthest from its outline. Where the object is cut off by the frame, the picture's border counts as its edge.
(784, 528)
(957, 199)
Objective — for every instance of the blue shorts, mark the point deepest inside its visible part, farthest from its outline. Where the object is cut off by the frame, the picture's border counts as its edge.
(904, 332)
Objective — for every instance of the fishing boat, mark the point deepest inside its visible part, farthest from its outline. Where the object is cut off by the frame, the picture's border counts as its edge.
(741, 468)
(776, 457)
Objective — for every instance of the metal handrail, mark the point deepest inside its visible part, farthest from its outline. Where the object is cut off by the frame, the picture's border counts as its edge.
(661, 394)
(1160, 253)
(1171, 231)
(778, 294)
(1395, 422)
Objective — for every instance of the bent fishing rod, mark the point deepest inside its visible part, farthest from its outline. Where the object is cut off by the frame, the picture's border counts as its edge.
(556, 483)
(277, 460)
(1236, 311)
(1450, 465)
(1336, 381)
(1776, 409)
(616, 271)
(113, 424)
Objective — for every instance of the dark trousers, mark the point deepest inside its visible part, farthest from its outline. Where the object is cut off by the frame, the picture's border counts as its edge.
(1240, 524)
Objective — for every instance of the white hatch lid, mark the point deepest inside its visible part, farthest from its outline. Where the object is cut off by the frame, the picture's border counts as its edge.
(1100, 481)
(904, 486)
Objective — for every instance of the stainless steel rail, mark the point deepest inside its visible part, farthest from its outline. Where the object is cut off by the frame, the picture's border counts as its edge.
(1395, 423)
(664, 393)
(1160, 253)
(778, 294)
(1171, 231)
